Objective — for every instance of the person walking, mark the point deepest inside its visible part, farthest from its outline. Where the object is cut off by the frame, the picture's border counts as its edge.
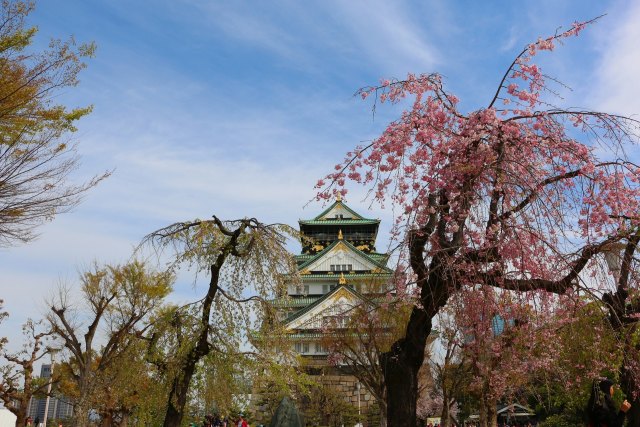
(601, 408)
(242, 422)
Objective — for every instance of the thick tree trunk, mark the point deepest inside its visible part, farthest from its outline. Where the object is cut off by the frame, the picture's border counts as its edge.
(488, 409)
(180, 385)
(400, 367)
(445, 418)
(21, 418)
(20, 408)
(178, 395)
(81, 406)
(107, 419)
(81, 414)
(492, 414)
(383, 414)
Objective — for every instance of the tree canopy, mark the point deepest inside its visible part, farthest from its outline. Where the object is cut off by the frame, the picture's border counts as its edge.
(521, 194)
(36, 153)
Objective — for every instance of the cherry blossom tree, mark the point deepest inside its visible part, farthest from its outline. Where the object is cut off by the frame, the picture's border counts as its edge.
(506, 342)
(520, 194)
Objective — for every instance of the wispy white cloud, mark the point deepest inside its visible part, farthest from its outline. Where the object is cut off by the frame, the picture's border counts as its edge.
(615, 87)
(388, 34)
(236, 108)
(510, 42)
(377, 33)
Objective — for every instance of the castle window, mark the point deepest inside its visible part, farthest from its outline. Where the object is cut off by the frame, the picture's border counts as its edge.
(341, 267)
(305, 348)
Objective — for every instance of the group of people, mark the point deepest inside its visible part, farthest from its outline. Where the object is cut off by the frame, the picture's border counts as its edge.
(217, 421)
(601, 409)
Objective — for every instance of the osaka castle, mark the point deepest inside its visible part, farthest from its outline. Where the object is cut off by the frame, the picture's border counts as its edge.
(339, 267)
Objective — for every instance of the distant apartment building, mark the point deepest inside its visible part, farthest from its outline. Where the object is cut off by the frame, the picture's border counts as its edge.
(59, 407)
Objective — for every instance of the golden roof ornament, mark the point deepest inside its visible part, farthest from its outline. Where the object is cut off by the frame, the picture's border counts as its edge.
(340, 234)
(342, 280)
(339, 197)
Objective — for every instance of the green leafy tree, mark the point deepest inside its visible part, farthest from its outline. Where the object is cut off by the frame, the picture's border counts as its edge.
(36, 157)
(587, 348)
(247, 262)
(119, 300)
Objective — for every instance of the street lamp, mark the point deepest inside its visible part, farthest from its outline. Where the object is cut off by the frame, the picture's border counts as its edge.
(52, 354)
(358, 391)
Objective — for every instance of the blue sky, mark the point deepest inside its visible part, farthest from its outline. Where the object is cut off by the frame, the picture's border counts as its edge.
(237, 108)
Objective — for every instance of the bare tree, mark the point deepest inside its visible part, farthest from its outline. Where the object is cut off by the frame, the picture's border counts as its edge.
(17, 382)
(357, 337)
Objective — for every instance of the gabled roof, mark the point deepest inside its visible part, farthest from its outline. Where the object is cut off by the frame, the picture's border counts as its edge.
(339, 204)
(350, 277)
(343, 221)
(293, 302)
(325, 297)
(516, 409)
(377, 262)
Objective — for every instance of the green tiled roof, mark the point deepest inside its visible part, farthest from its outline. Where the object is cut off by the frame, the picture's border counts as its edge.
(293, 302)
(303, 258)
(380, 257)
(344, 221)
(317, 302)
(306, 335)
(336, 275)
(377, 262)
(347, 208)
(317, 335)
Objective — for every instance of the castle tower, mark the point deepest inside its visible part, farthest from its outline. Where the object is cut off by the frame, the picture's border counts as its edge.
(339, 267)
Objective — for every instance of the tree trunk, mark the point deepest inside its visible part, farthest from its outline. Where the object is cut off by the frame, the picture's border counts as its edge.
(492, 414)
(445, 420)
(400, 366)
(180, 385)
(488, 407)
(81, 406)
(383, 413)
(81, 414)
(178, 394)
(107, 419)
(482, 413)
(21, 418)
